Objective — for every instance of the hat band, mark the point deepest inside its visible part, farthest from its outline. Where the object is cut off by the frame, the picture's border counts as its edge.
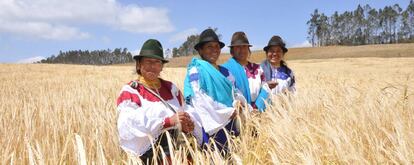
(208, 39)
(277, 43)
(240, 42)
(149, 52)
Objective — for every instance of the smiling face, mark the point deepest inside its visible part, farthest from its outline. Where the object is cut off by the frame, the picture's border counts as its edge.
(210, 52)
(275, 54)
(240, 53)
(149, 68)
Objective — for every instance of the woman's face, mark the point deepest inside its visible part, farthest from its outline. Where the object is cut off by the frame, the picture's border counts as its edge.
(241, 53)
(210, 52)
(150, 68)
(275, 54)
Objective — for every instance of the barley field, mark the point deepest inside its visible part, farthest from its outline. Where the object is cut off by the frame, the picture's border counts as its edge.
(327, 52)
(346, 111)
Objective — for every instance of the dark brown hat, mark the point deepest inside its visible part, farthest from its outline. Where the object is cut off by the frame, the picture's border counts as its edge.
(208, 35)
(276, 41)
(238, 39)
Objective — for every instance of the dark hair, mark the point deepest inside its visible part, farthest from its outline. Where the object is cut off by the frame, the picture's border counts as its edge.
(283, 63)
(200, 46)
(198, 50)
(137, 69)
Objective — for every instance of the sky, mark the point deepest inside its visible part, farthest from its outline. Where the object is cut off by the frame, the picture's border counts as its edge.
(34, 29)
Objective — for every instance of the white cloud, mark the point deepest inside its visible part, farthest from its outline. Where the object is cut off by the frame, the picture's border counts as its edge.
(182, 36)
(302, 45)
(55, 19)
(43, 30)
(144, 20)
(30, 60)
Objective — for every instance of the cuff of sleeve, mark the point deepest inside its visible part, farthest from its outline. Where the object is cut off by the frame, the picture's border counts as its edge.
(167, 122)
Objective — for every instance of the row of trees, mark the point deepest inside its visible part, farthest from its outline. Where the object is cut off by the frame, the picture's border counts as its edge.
(364, 25)
(187, 48)
(96, 57)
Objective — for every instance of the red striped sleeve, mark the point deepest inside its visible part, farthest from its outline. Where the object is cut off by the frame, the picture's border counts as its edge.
(180, 98)
(167, 122)
(125, 95)
(262, 77)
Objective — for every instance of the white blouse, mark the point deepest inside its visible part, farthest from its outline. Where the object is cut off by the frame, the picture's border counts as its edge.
(285, 80)
(212, 114)
(141, 116)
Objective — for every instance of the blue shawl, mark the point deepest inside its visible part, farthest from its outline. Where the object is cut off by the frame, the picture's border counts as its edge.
(242, 83)
(267, 69)
(211, 81)
(239, 74)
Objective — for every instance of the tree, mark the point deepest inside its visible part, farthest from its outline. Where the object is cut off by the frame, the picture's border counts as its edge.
(406, 33)
(175, 52)
(359, 26)
(96, 57)
(364, 25)
(373, 27)
(396, 21)
(322, 30)
(313, 23)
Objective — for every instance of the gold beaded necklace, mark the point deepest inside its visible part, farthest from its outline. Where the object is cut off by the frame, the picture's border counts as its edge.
(156, 84)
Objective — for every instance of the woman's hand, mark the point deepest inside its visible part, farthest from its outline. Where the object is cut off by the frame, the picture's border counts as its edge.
(183, 119)
(272, 84)
(237, 109)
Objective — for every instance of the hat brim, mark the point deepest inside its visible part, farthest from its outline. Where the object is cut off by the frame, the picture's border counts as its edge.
(268, 46)
(137, 57)
(240, 45)
(198, 45)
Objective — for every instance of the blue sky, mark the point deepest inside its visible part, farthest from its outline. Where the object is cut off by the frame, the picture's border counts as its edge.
(40, 28)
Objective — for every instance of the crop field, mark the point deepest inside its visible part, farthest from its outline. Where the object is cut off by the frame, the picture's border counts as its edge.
(346, 111)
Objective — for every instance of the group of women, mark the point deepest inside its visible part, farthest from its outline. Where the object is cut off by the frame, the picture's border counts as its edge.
(150, 106)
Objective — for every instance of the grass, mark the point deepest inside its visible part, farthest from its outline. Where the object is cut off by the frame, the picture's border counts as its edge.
(346, 111)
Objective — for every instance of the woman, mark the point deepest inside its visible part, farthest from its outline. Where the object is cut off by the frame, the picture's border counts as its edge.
(250, 79)
(208, 88)
(150, 106)
(278, 75)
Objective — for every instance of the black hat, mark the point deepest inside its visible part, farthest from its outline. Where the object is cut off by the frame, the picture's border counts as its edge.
(276, 41)
(208, 35)
(153, 49)
(239, 38)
